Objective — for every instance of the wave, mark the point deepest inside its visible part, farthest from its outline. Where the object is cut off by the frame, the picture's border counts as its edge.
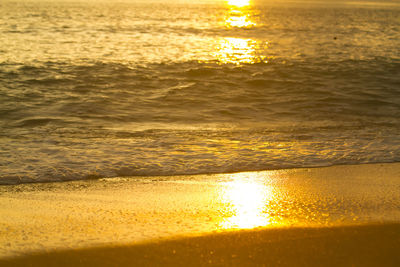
(72, 154)
(165, 92)
(117, 90)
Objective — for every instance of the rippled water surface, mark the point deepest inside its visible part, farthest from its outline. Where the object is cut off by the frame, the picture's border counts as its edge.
(104, 89)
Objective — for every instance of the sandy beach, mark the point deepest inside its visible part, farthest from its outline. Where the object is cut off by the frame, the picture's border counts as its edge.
(367, 245)
(191, 133)
(334, 215)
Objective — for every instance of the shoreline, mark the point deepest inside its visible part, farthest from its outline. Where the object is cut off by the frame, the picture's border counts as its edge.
(125, 211)
(95, 178)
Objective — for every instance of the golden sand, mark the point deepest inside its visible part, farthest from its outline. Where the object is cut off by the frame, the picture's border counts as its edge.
(373, 245)
(333, 215)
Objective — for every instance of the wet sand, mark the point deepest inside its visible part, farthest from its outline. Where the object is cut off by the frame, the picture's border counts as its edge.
(367, 245)
(341, 215)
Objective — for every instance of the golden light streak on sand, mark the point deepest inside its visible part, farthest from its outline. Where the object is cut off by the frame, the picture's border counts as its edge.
(247, 198)
(133, 211)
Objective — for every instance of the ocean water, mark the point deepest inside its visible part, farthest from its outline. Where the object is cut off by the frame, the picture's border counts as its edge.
(105, 89)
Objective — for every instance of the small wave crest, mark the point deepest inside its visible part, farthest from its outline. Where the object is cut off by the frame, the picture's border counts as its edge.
(65, 156)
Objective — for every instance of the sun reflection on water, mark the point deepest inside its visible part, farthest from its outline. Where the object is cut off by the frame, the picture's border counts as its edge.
(238, 3)
(234, 50)
(240, 21)
(240, 51)
(247, 199)
(240, 15)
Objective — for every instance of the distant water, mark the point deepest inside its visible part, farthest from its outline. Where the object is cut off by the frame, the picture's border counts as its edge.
(104, 89)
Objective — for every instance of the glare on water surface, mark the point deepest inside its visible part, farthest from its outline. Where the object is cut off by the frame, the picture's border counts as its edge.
(234, 50)
(239, 51)
(240, 22)
(238, 3)
(240, 15)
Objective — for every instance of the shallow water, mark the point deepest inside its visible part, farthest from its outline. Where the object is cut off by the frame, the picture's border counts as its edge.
(104, 89)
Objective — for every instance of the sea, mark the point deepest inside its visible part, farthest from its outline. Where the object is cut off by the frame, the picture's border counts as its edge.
(92, 89)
